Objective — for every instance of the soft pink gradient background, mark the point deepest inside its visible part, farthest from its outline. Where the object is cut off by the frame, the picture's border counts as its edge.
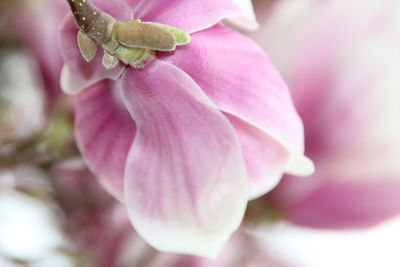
(341, 60)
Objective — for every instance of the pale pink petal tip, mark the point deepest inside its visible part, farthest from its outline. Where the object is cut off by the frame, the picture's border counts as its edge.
(243, 23)
(246, 21)
(299, 165)
(67, 82)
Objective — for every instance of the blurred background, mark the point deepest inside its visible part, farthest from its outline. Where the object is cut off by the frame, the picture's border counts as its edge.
(341, 61)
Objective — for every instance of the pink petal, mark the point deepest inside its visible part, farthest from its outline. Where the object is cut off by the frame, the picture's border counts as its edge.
(357, 180)
(353, 82)
(78, 74)
(338, 204)
(265, 158)
(188, 15)
(104, 131)
(185, 175)
(132, 3)
(119, 9)
(237, 76)
(39, 34)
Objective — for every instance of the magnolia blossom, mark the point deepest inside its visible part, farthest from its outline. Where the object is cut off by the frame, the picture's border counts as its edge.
(185, 141)
(343, 65)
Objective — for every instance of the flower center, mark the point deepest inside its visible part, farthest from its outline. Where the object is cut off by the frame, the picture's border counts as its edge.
(132, 42)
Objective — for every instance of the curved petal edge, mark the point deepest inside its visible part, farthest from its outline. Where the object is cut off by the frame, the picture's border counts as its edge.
(185, 179)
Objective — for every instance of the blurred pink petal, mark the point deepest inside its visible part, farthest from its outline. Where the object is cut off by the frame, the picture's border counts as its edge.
(124, 247)
(348, 78)
(242, 250)
(185, 176)
(104, 131)
(132, 3)
(38, 35)
(345, 204)
(190, 16)
(258, 96)
(22, 101)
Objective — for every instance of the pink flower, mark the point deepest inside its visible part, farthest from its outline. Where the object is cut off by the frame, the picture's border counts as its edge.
(344, 72)
(185, 141)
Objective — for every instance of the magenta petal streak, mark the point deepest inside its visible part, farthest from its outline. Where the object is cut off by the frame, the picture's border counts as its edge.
(185, 180)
